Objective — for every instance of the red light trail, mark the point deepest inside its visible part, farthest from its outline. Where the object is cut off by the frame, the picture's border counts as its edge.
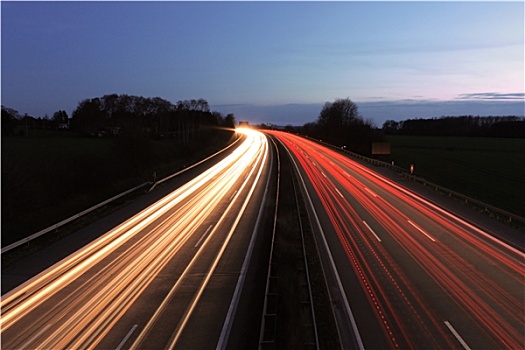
(421, 268)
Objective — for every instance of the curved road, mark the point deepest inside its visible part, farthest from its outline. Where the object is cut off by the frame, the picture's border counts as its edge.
(402, 271)
(405, 272)
(170, 276)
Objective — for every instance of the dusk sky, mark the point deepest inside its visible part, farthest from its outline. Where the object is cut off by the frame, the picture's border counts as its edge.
(257, 55)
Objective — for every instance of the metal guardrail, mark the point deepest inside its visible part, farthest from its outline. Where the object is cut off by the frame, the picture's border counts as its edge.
(403, 172)
(68, 220)
(486, 207)
(76, 216)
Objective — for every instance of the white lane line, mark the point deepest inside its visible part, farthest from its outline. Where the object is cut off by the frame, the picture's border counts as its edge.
(371, 192)
(458, 337)
(126, 337)
(203, 235)
(322, 173)
(228, 322)
(339, 193)
(421, 230)
(34, 336)
(233, 195)
(366, 224)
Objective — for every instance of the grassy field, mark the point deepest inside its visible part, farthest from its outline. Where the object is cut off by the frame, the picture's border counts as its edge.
(491, 170)
(50, 176)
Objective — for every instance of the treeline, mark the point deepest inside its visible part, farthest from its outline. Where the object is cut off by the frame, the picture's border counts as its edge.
(136, 116)
(126, 116)
(108, 145)
(506, 126)
(340, 123)
(15, 124)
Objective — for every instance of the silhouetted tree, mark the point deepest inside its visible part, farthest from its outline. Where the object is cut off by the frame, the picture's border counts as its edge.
(503, 126)
(218, 118)
(60, 117)
(10, 119)
(229, 121)
(390, 127)
(339, 114)
(508, 129)
(88, 117)
(290, 128)
(340, 123)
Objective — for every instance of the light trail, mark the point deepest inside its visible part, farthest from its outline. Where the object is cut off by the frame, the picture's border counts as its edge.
(478, 279)
(76, 302)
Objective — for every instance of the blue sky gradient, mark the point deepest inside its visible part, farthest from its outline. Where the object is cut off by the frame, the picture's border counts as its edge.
(55, 54)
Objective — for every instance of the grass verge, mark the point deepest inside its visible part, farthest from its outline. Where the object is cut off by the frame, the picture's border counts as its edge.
(491, 170)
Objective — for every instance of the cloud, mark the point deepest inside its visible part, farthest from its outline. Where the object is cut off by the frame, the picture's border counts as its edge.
(492, 96)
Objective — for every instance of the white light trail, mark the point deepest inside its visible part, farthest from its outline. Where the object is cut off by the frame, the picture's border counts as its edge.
(145, 243)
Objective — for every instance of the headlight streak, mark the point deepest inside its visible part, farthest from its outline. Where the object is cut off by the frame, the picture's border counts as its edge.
(87, 313)
(79, 262)
(261, 158)
(479, 293)
(231, 178)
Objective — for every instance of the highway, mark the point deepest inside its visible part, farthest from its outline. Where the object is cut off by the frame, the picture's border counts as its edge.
(404, 272)
(169, 277)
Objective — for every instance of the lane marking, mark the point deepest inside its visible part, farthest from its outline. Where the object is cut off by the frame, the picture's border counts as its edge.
(339, 193)
(261, 162)
(421, 230)
(126, 337)
(371, 192)
(458, 337)
(233, 195)
(322, 173)
(228, 322)
(366, 224)
(203, 235)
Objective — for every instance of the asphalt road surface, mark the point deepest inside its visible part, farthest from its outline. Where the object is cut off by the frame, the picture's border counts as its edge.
(169, 277)
(402, 271)
(407, 273)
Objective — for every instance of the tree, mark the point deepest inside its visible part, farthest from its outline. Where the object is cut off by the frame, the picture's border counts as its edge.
(390, 127)
(229, 121)
(218, 118)
(341, 124)
(10, 119)
(60, 117)
(88, 117)
(339, 114)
